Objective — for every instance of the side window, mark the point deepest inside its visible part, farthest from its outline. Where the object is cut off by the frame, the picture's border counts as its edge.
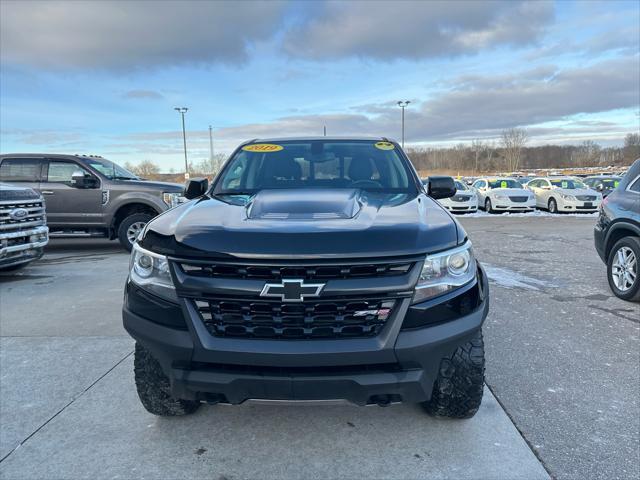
(635, 186)
(478, 184)
(20, 170)
(532, 184)
(61, 171)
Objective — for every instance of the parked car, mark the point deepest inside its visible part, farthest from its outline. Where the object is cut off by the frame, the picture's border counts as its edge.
(23, 230)
(89, 196)
(564, 194)
(325, 270)
(617, 235)
(464, 201)
(503, 194)
(602, 183)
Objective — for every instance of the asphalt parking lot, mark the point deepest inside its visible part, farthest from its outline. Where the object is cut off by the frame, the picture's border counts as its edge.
(563, 381)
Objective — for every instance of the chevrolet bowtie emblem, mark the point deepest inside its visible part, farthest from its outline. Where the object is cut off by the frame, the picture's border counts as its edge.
(292, 290)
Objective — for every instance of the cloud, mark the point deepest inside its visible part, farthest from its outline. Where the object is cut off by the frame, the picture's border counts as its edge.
(142, 94)
(133, 34)
(387, 31)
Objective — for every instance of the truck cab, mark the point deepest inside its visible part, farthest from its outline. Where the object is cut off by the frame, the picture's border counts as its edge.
(90, 196)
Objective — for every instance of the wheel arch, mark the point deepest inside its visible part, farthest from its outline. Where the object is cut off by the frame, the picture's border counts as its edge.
(617, 231)
(127, 209)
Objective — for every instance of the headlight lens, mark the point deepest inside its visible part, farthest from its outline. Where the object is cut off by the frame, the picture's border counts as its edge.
(173, 199)
(501, 197)
(568, 197)
(445, 271)
(150, 272)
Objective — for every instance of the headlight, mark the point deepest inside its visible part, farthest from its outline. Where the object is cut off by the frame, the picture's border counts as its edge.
(501, 197)
(568, 197)
(150, 272)
(173, 199)
(445, 271)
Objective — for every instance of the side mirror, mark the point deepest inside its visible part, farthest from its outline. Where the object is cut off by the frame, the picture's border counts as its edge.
(196, 187)
(81, 180)
(441, 187)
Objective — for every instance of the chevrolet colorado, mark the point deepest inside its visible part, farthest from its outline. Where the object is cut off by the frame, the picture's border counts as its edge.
(312, 269)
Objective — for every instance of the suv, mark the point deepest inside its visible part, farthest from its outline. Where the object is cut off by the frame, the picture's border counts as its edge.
(602, 183)
(617, 235)
(23, 230)
(312, 269)
(90, 196)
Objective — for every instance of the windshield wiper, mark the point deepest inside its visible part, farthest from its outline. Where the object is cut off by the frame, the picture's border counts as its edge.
(119, 177)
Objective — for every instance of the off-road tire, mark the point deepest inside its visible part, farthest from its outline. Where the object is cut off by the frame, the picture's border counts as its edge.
(457, 391)
(128, 222)
(553, 206)
(633, 294)
(487, 206)
(154, 388)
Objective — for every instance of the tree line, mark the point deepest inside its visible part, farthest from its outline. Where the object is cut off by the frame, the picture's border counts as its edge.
(511, 153)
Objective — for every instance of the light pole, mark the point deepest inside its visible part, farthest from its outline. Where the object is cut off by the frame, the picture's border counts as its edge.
(182, 111)
(403, 104)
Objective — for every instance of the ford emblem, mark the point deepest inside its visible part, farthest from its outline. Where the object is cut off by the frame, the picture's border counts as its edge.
(18, 214)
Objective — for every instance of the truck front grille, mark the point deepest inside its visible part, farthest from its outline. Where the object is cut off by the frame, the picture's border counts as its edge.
(319, 319)
(306, 272)
(34, 216)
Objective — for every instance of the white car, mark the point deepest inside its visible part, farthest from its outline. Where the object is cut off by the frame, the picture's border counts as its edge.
(465, 199)
(503, 194)
(564, 194)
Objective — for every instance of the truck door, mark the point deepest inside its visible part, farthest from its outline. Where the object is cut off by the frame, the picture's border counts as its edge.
(69, 203)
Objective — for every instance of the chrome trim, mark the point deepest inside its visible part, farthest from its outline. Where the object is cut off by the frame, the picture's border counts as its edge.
(23, 246)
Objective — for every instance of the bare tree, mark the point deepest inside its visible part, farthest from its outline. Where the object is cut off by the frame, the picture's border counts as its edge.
(513, 141)
(631, 149)
(490, 149)
(477, 147)
(146, 168)
(587, 154)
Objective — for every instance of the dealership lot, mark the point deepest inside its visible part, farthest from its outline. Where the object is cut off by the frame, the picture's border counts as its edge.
(563, 364)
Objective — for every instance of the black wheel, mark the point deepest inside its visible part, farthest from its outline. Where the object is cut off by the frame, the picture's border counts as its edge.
(623, 269)
(130, 227)
(154, 388)
(457, 391)
(553, 206)
(487, 205)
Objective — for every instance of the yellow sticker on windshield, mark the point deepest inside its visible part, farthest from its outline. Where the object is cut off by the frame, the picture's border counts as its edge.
(503, 184)
(384, 146)
(616, 183)
(263, 147)
(565, 184)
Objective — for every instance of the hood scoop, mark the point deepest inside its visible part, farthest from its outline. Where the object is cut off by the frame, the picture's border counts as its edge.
(304, 204)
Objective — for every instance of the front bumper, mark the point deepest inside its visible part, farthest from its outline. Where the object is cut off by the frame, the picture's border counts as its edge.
(22, 246)
(510, 206)
(397, 365)
(578, 206)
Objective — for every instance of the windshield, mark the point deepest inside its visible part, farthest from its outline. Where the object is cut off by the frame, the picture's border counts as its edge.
(367, 165)
(609, 182)
(460, 185)
(568, 183)
(109, 169)
(504, 183)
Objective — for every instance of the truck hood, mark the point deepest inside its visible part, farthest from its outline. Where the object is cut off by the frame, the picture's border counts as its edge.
(304, 224)
(150, 185)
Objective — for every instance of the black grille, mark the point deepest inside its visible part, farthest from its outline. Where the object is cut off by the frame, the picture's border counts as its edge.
(324, 319)
(306, 272)
(519, 199)
(461, 198)
(586, 198)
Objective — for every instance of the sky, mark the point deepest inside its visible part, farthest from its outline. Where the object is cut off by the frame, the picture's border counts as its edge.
(103, 77)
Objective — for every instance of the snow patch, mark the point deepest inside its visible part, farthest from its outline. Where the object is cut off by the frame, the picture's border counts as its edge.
(535, 213)
(509, 279)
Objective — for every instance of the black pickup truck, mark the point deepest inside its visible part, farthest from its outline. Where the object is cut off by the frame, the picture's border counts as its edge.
(312, 269)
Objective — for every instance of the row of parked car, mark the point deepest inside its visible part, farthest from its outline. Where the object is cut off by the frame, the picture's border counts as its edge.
(506, 194)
